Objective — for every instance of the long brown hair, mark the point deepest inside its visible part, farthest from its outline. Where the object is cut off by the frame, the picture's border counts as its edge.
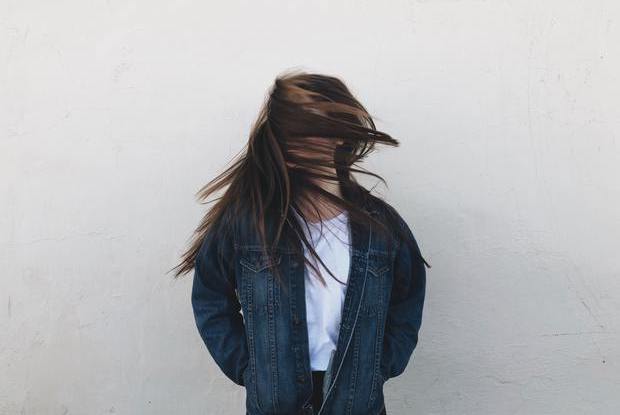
(309, 127)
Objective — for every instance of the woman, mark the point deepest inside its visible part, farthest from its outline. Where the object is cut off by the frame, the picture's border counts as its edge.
(307, 289)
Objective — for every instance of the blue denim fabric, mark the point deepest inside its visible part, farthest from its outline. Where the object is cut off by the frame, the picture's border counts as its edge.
(255, 329)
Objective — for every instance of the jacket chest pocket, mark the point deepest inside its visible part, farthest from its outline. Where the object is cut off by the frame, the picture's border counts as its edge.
(261, 290)
(256, 263)
(378, 272)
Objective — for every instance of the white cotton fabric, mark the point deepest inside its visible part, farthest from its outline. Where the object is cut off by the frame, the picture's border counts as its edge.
(324, 303)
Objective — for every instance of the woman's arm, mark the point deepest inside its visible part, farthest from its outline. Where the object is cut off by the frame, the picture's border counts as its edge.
(404, 315)
(216, 310)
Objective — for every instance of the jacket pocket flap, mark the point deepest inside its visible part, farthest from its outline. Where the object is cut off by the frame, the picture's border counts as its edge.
(259, 263)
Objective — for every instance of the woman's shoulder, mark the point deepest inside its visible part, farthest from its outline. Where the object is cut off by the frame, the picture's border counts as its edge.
(387, 211)
(396, 221)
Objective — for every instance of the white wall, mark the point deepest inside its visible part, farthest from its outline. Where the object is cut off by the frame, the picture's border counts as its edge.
(113, 113)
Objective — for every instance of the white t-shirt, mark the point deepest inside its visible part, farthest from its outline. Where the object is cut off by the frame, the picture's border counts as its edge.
(324, 303)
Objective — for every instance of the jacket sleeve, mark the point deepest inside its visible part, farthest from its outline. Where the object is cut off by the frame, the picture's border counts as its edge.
(217, 310)
(404, 315)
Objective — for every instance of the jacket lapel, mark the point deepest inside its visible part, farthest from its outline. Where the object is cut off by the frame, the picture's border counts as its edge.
(361, 241)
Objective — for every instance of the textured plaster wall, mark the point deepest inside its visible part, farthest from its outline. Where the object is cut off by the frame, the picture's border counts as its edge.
(113, 113)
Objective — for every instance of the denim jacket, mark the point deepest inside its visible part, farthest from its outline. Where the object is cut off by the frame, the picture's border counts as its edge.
(256, 331)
